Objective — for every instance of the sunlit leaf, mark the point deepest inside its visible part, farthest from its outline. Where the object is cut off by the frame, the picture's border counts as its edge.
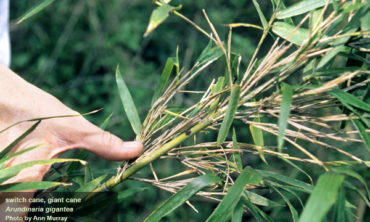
(290, 33)
(157, 17)
(300, 8)
(128, 103)
(33, 11)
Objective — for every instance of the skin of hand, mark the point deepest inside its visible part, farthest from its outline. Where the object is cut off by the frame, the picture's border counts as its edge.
(20, 100)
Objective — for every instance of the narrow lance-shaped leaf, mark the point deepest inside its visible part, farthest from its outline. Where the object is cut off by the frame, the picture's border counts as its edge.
(157, 17)
(287, 91)
(230, 113)
(225, 208)
(90, 186)
(216, 88)
(238, 213)
(350, 99)
(7, 149)
(170, 63)
(24, 186)
(257, 136)
(293, 211)
(291, 181)
(260, 14)
(12, 171)
(290, 33)
(33, 11)
(339, 207)
(209, 53)
(128, 103)
(322, 198)
(362, 130)
(300, 8)
(8, 157)
(236, 155)
(182, 196)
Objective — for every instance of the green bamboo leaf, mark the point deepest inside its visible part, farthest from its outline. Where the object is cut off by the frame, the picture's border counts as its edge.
(353, 174)
(170, 63)
(350, 99)
(290, 33)
(287, 91)
(238, 213)
(257, 136)
(209, 53)
(216, 88)
(90, 186)
(296, 166)
(236, 155)
(260, 14)
(121, 196)
(128, 103)
(26, 186)
(182, 196)
(225, 208)
(340, 206)
(293, 211)
(8, 157)
(33, 11)
(230, 113)
(364, 135)
(157, 17)
(253, 209)
(294, 182)
(300, 8)
(106, 122)
(331, 55)
(258, 199)
(258, 214)
(12, 171)
(348, 185)
(322, 198)
(7, 149)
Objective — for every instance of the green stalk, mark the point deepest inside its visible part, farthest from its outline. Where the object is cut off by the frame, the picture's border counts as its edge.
(109, 184)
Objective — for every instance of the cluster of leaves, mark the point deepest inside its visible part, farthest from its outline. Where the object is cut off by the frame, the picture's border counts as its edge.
(308, 92)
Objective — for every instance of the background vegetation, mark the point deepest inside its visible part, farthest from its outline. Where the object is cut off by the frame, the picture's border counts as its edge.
(71, 50)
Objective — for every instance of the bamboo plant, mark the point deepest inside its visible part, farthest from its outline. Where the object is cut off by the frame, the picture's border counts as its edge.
(297, 93)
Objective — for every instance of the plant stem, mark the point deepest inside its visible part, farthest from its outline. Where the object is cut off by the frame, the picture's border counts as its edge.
(151, 157)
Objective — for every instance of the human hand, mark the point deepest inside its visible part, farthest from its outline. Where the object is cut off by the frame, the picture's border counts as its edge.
(20, 100)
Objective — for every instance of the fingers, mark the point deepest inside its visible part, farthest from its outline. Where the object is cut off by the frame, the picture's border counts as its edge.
(82, 134)
(110, 147)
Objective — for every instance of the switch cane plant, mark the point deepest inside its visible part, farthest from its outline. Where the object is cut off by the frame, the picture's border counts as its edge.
(299, 93)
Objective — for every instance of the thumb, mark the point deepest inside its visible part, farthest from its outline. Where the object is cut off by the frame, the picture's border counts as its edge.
(102, 143)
